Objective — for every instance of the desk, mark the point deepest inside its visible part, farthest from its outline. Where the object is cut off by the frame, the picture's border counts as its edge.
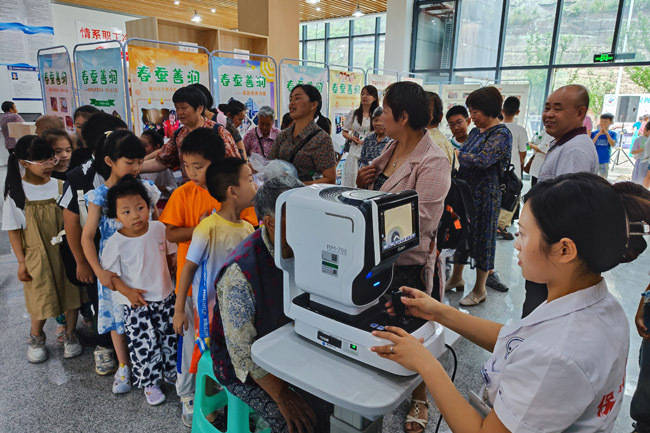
(356, 390)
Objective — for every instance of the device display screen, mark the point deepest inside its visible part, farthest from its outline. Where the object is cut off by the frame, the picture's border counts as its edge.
(398, 226)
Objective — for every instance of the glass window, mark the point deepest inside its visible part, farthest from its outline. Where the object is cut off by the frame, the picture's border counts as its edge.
(364, 51)
(598, 81)
(529, 31)
(316, 31)
(484, 78)
(586, 28)
(634, 35)
(478, 36)
(339, 28)
(300, 51)
(380, 52)
(315, 50)
(536, 79)
(364, 25)
(338, 51)
(382, 24)
(435, 32)
(300, 31)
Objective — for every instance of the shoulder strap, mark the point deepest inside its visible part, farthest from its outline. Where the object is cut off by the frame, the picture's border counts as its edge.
(303, 143)
(259, 140)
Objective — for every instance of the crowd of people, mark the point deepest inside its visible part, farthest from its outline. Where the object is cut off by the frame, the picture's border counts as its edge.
(164, 245)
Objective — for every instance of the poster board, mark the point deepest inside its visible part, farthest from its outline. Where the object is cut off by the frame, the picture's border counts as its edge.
(381, 82)
(292, 75)
(345, 90)
(58, 90)
(251, 82)
(100, 80)
(154, 75)
(416, 80)
(456, 94)
(520, 91)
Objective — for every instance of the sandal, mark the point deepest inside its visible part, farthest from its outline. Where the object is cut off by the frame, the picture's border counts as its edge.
(472, 300)
(415, 418)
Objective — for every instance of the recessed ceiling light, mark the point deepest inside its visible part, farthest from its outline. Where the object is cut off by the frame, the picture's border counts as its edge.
(177, 2)
(196, 18)
(312, 2)
(213, 10)
(318, 9)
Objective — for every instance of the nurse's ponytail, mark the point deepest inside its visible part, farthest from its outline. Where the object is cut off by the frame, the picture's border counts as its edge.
(604, 221)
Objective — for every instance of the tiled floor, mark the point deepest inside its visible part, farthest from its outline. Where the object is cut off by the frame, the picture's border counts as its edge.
(67, 396)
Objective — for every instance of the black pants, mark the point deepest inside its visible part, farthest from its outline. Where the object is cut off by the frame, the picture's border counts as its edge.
(536, 293)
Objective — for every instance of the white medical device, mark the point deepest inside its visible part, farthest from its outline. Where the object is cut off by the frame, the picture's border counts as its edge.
(345, 242)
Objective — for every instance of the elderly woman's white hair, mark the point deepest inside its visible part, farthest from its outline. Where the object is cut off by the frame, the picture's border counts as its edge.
(266, 111)
(269, 192)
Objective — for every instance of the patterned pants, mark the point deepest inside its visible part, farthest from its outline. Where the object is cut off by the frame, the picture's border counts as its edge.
(152, 342)
(258, 400)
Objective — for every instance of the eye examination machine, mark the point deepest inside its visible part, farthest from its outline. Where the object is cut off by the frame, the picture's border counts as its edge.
(345, 242)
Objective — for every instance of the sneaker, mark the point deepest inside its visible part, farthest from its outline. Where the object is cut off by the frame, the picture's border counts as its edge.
(71, 346)
(187, 404)
(122, 380)
(154, 395)
(104, 361)
(494, 282)
(36, 351)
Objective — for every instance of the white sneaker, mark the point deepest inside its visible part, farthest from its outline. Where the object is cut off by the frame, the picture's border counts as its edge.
(154, 395)
(104, 361)
(187, 404)
(71, 346)
(36, 351)
(122, 380)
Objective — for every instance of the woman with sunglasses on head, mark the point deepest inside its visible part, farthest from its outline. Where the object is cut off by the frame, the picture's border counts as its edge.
(562, 367)
(32, 217)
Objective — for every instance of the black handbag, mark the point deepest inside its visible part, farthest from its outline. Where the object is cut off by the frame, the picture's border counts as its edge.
(510, 186)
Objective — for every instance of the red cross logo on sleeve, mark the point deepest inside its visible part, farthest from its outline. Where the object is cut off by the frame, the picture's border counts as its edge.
(606, 404)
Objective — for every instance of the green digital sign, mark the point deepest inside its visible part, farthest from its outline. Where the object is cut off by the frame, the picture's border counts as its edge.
(604, 58)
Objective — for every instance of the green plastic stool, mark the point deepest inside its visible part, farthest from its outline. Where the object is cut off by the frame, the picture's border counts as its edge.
(238, 411)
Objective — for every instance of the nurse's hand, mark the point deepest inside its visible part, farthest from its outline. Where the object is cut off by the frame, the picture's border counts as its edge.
(418, 304)
(406, 350)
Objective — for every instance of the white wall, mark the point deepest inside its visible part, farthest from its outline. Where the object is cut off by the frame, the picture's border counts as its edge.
(399, 18)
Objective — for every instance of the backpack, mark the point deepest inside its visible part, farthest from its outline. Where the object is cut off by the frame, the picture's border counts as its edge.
(510, 186)
(455, 227)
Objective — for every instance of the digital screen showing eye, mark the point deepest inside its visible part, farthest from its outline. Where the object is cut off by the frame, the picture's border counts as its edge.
(398, 226)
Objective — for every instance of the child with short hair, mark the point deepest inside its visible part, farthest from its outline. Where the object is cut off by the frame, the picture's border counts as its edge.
(137, 254)
(187, 206)
(604, 140)
(32, 218)
(231, 183)
(121, 154)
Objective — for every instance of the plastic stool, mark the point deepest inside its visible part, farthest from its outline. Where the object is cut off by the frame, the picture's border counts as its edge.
(238, 411)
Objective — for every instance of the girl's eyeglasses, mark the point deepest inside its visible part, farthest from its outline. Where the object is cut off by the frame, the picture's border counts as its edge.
(46, 163)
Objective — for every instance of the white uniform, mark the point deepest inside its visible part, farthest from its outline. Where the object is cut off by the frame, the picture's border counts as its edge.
(561, 368)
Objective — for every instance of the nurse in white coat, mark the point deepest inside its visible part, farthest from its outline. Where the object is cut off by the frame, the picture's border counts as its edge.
(563, 366)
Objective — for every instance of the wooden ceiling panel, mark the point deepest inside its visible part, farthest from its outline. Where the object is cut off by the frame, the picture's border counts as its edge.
(226, 10)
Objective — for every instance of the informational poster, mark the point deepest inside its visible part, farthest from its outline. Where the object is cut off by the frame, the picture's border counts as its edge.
(381, 82)
(100, 80)
(520, 91)
(25, 85)
(345, 94)
(292, 75)
(419, 81)
(26, 26)
(251, 82)
(154, 75)
(58, 91)
(456, 94)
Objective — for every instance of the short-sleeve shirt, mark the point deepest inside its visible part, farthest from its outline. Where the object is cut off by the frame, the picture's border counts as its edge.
(233, 131)
(254, 138)
(576, 155)
(519, 144)
(372, 148)
(141, 262)
(184, 209)
(82, 178)
(561, 368)
(313, 158)
(603, 148)
(13, 218)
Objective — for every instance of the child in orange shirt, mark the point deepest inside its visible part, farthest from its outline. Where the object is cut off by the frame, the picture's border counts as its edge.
(186, 207)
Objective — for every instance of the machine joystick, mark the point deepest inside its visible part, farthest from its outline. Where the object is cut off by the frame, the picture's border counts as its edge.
(400, 309)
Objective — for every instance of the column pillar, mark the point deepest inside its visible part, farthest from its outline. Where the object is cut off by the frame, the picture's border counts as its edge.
(278, 19)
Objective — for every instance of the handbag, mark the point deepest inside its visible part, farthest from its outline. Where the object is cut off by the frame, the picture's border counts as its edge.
(510, 186)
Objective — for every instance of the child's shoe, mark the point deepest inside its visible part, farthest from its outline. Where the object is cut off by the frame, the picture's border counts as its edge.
(121, 381)
(36, 351)
(187, 403)
(154, 395)
(104, 361)
(71, 346)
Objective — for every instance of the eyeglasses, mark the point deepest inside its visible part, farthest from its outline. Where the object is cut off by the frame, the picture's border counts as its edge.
(46, 163)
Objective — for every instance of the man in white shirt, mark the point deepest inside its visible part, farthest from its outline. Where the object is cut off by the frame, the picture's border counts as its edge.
(519, 148)
(571, 151)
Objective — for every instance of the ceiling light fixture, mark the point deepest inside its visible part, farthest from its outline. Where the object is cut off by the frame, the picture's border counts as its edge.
(196, 18)
(213, 10)
(177, 2)
(358, 12)
(318, 9)
(312, 2)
